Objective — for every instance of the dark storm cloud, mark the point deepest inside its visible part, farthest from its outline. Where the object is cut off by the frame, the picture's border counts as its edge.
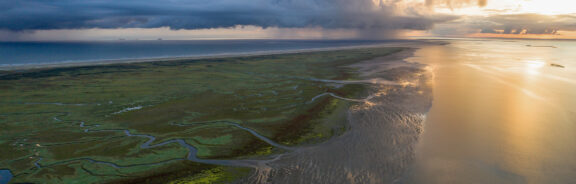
(527, 24)
(17, 15)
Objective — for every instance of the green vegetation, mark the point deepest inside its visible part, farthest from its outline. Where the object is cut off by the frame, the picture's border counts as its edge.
(211, 176)
(51, 117)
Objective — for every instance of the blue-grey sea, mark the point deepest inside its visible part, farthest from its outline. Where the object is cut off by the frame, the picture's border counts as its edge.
(19, 53)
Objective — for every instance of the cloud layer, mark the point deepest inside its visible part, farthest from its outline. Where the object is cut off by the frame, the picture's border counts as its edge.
(20, 15)
(369, 18)
(528, 24)
(456, 3)
(509, 24)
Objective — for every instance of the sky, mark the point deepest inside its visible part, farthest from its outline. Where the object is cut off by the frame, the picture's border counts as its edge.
(283, 19)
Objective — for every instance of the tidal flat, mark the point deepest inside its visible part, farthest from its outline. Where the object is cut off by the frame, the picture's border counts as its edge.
(181, 121)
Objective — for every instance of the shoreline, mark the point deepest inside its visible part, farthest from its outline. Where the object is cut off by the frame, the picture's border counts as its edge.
(66, 64)
(387, 123)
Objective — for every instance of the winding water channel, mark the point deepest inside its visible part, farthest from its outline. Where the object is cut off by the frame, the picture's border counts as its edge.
(192, 151)
(383, 130)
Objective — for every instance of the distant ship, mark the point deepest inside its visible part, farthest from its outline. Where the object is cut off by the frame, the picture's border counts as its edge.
(551, 46)
(557, 65)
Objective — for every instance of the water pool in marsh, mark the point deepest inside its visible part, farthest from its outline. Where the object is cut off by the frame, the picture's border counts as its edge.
(5, 176)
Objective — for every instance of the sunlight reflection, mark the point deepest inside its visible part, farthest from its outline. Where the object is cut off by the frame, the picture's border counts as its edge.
(533, 66)
(505, 108)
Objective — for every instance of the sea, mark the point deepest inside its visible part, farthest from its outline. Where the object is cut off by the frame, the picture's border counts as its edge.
(504, 111)
(26, 53)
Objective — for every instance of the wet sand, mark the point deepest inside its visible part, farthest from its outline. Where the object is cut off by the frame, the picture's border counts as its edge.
(383, 131)
(501, 114)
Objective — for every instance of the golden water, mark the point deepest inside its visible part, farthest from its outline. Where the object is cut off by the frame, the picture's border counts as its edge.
(502, 113)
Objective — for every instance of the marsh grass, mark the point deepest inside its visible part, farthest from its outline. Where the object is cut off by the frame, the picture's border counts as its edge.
(41, 112)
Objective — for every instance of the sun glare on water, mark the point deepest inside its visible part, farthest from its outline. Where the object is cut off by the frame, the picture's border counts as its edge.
(533, 66)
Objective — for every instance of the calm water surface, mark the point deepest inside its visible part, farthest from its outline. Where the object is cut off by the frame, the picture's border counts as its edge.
(18, 53)
(501, 113)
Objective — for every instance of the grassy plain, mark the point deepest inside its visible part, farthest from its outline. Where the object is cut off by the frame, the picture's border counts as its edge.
(44, 115)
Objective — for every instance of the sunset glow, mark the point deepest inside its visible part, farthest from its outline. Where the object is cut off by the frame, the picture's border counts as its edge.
(533, 19)
(547, 7)
(544, 7)
(301, 19)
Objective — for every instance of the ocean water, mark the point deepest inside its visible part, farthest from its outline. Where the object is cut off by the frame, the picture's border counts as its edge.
(18, 53)
(504, 111)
